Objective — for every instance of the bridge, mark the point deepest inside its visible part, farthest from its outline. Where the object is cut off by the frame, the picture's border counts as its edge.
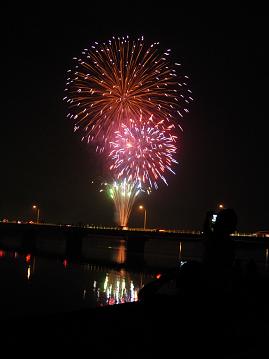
(80, 242)
(27, 235)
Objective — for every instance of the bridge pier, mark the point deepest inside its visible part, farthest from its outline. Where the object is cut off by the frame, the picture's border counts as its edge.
(135, 251)
(73, 244)
(28, 241)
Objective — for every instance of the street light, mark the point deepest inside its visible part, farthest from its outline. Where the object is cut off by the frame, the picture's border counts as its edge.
(221, 206)
(37, 213)
(145, 215)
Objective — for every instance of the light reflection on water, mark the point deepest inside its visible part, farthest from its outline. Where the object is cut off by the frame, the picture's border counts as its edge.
(33, 284)
(38, 285)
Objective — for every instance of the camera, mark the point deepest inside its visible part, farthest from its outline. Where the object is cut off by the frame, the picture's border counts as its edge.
(213, 218)
(210, 221)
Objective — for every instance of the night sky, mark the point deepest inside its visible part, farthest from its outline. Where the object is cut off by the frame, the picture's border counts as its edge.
(223, 155)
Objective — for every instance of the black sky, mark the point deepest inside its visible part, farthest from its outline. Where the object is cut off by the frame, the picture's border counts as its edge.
(224, 150)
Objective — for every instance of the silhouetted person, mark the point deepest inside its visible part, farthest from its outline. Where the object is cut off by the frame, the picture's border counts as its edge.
(251, 269)
(219, 254)
(189, 279)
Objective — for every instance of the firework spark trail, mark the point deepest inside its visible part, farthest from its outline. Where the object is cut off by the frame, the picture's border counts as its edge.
(143, 152)
(123, 194)
(121, 79)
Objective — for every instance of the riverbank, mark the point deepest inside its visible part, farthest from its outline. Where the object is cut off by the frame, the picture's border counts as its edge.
(197, 323)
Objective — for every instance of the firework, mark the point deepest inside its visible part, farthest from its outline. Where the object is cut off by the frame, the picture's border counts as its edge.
(127, 97)
(143, 152)
(123, 194)
(123, 79)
